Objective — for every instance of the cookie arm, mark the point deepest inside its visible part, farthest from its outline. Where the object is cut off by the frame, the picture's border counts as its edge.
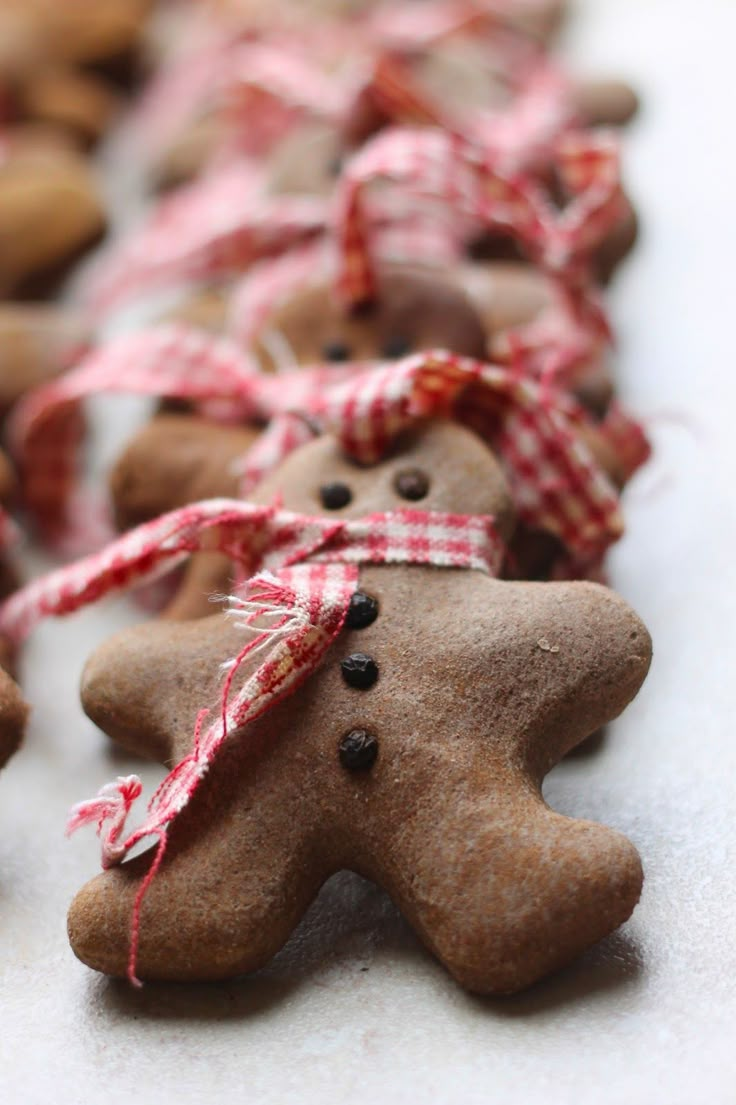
(145, 687)
(173, 461)
(576, 653)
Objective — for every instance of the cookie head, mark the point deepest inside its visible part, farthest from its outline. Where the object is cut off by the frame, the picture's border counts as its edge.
(439, 466)
(414, 310)
(50, 213)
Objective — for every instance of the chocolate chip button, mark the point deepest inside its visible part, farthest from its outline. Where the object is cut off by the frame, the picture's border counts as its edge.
(412, 484)
(396, 347)
(358, 750)
(359, 671)
(336, 351)
(362, 612)
(334, 496)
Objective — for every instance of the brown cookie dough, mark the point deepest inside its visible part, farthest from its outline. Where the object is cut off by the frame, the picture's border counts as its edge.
(196, 460)
(104, 35)
(606, 102)
(36, 343)
(78, 104)
(307, 162)
(483, 685)
(414, 309)
(13, 712)
(50, 213)
(7, 480)
(173, 461)
(188, 153)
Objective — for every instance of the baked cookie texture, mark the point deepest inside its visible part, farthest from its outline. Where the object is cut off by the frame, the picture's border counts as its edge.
(427, 781)
(37, 342)
(415, 308)
(13, 714)
(51, 212)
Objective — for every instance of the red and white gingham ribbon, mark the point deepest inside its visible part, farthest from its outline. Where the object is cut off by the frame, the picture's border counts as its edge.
(212, 228)
(266, 88)
(208, 231)
(227, 60)
(408, 24)
(522, 136)
(289, 620)
(534, 426)
(446, 167)
(452, 177)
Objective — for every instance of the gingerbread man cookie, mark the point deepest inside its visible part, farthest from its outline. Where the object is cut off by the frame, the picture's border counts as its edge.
(13, 717)
(50, 213)
(37, 342)
(59, 62)
(414, 755)
(104, 37)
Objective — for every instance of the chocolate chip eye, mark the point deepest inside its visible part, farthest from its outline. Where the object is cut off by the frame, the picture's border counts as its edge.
(412, 484)
(335, 166)
(362, 612)
(334, 496)
(359, 671)
(336, 351)
(358, 750)
(396, 347)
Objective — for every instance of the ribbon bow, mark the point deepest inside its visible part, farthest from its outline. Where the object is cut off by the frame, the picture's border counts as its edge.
(534, 426)
(448, 168)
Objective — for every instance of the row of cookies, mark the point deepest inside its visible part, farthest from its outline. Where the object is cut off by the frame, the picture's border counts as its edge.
(64, 72)
(411, 462)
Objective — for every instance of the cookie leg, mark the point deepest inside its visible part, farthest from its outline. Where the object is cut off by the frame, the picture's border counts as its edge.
(234, 883)
(506, 892)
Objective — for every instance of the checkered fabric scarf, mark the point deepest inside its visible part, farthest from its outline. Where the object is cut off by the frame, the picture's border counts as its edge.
(212, 228)
(534, 426)
(231, 68)
(291, 611)
(403, 22)
(220, 225)
(444, 166)
(429, 166)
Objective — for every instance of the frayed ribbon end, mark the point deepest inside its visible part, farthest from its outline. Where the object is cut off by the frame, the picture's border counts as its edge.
(109, 813)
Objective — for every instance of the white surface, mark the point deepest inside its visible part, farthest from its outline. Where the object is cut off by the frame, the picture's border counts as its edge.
(354, 1011)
